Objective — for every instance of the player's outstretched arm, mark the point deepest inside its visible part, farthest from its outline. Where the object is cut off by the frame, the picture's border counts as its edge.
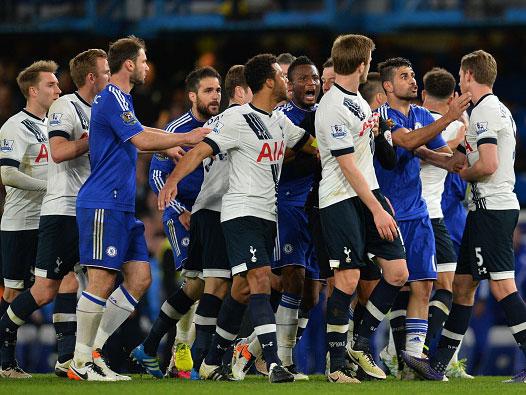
(445, 160)
(185, 166)
(385, 223)
(63, 150)
(411, 140)
(485, 166)
(13, 177)
(151, 139)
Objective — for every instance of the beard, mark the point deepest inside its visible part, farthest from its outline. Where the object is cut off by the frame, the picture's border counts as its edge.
(204, 109)
(407, 96)
(136, 78)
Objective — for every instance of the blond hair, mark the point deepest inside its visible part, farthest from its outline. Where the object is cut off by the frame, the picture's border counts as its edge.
(349, 51)
(30, 76)
(483, 66)
(83, 64)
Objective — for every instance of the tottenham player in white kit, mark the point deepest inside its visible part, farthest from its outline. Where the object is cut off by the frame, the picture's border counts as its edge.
(23, 161)
(58, 244)
(207, 261)
(255, 138)
(439, 88)
(486, 251)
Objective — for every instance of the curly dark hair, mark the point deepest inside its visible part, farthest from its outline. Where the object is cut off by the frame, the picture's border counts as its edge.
(259, 69)
(387, 68)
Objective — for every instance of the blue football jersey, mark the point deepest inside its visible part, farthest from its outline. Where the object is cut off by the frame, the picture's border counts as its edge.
(402, 185)
(297, 175)
(161, 166)
(113, 157)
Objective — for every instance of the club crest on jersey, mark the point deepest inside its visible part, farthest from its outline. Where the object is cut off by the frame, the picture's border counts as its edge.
(128, 118)
(217, 127)
(481, 127)
(111, 251)
(185, 241)
(338, 131)
(6, 145)
(288, 248)
(418, 125)
(55, 119)
(272, 152)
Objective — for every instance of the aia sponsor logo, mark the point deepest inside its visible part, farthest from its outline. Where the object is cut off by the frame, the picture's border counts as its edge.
(272, 151)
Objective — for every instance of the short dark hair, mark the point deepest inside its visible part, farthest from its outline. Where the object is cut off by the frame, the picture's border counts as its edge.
(122, 50)
(285, 58)
(83, 64)
(299, 61)
(235, 77)
(388, 67)
(328, 63)
(193, 79)
(371, 87)
(439, 83)
(259, 69)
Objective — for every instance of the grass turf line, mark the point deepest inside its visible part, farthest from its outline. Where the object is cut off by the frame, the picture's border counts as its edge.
(253, 385)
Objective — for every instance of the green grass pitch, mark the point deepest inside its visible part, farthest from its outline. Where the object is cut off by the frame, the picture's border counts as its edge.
(253, 385)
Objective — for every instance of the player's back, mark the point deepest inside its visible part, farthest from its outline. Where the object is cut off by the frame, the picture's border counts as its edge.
(161, 165)
(24, 144)
(343, 125)
(69, 117)
(113, 157)
(297, 175)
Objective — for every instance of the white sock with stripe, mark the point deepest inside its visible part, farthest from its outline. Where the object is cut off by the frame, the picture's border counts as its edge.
(89, 313)
(186, 327)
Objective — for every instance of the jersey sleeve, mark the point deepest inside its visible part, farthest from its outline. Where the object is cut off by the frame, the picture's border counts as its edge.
(61, 120)
(296, 137)
(436, 142)
(486, 127)
(121, 118)
(335, 126)
(225, 134)
(13, 144)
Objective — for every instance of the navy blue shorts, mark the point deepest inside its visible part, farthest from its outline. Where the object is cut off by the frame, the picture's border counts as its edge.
(419, 242)
(295, 244)
(179, 239)
(110, 238)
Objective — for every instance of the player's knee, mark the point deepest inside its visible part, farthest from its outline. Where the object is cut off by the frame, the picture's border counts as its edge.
(193, 288)
(397, 275)
(259, 280)
(464, 290)
(421, 291)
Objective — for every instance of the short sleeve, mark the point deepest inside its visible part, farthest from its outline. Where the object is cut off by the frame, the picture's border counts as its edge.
(13, 144)
(225, 133)
(296, 136)
(436, 142)
(61, 120)
(486, 128)
(121, 117)
(334, 124)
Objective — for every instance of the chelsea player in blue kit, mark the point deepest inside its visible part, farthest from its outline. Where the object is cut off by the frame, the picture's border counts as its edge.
(111, 238)
(412, 127)
(295, 262)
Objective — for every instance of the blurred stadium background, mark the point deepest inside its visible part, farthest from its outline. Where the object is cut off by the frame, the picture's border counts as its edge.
(183, 34)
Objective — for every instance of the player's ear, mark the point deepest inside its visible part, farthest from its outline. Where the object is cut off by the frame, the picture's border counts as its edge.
(388, 86)
(424, 94)
(192, 96)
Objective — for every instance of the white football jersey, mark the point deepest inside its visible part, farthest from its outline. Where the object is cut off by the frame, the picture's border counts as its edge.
(491, 123)
(69, 117)
(343, 125)
(24, 144)
(433, 177)
(255, 142)
(215, 181)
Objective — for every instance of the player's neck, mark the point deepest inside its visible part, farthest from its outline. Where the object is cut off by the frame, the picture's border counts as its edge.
(436, 106)
(86, 93)
(36, 109)
(122, 81)
(399, 104)
(264, 102)
(348, 82)
(478, 91)
(197, 115)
